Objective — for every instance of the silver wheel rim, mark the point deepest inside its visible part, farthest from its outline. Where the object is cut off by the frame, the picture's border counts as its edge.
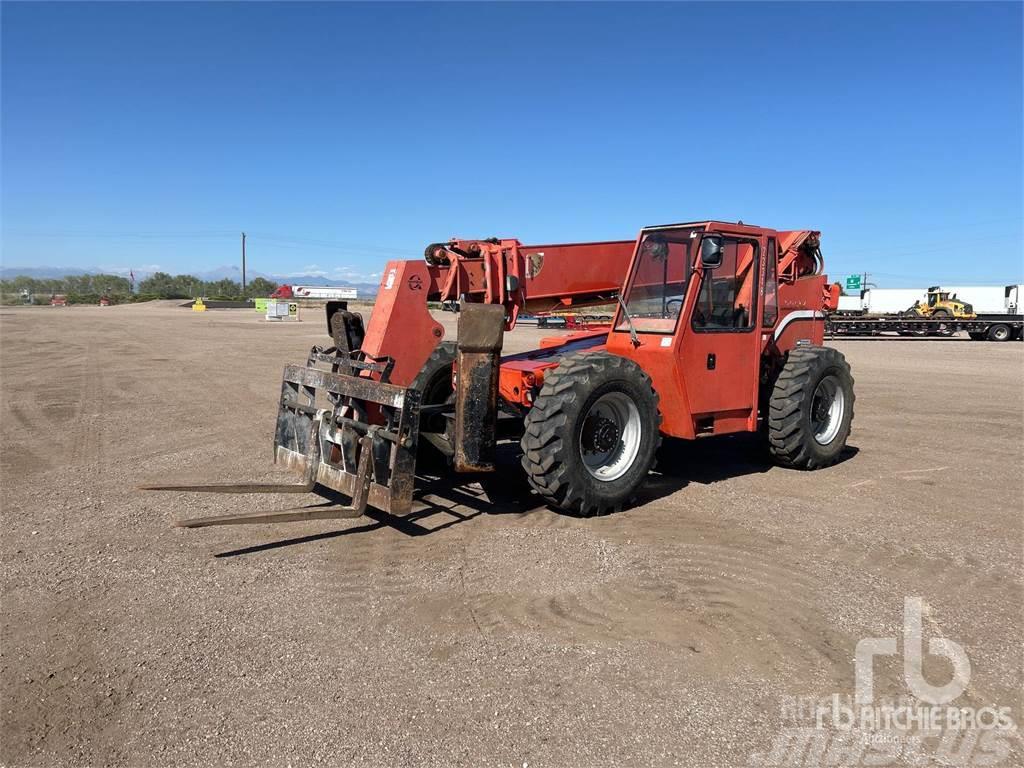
(610, 437)
(1001, 333)
(828, 405)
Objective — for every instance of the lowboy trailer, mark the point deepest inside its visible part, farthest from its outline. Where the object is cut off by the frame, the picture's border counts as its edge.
(980, 328)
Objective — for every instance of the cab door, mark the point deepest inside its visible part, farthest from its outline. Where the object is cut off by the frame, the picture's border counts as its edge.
(721, 348)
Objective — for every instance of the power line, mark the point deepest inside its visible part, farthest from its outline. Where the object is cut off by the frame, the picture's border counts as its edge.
(333, 244)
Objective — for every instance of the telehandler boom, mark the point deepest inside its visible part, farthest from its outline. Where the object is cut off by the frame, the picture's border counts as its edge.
(718, 329)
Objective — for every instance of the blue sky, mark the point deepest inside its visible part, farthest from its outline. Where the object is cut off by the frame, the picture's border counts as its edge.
(342, 135)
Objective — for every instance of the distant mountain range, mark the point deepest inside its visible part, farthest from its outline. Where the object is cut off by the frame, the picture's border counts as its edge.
(43, 273)
(218, 273)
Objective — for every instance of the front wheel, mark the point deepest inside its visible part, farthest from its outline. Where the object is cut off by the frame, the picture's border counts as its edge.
(434, 381)
(811, 409)
(591, 435)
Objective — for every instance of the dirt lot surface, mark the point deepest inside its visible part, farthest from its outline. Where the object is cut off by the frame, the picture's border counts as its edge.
(481, 633)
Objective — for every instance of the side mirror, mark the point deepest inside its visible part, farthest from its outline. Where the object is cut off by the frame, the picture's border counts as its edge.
(711, 251)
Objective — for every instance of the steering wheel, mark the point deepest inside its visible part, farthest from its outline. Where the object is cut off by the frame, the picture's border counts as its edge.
(670, 302)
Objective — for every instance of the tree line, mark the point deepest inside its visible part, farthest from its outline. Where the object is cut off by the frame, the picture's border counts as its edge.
(160, 285)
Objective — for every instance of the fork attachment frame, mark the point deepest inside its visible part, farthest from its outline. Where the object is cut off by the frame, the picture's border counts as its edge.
(338, 445)
(339, 429)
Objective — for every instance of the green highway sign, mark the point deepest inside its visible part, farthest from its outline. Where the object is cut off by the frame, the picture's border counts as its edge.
(853, 283)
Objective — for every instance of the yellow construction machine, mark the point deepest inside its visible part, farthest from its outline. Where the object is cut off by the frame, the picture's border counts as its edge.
(941, 305)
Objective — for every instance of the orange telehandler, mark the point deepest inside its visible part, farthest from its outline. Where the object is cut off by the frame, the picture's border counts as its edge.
(718, 329)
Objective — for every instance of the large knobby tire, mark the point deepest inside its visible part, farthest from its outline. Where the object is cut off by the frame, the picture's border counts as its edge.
(590, 438)
(811, 409)
(434, 381)
(941, 314)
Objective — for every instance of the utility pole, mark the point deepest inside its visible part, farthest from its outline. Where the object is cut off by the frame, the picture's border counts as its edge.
(243, 265)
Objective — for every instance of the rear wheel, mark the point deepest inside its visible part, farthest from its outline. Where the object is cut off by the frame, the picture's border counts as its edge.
(589, 439)
(942, 314)
(811, 408)
(999, 332)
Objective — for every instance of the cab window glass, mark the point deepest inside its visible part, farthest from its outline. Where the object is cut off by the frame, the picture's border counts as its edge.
(657, 289)
(726, 299)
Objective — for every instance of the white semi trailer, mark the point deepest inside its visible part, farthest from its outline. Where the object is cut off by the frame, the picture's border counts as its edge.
(985, 299)
(887, 301)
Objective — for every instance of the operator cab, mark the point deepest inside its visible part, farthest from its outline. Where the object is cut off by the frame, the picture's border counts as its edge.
(664, 268)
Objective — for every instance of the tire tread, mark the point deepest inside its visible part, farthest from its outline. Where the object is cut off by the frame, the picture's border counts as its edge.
(788, 439)
(545, 449)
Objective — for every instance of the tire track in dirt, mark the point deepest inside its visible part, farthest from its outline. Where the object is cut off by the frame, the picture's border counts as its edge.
(562, 581)
(552, 575)
(574, 585)
(735, 592)
(19, 457)
(85, 446)
(49, 407)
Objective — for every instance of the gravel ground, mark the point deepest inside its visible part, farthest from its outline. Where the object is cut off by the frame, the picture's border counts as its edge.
(489, 630)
